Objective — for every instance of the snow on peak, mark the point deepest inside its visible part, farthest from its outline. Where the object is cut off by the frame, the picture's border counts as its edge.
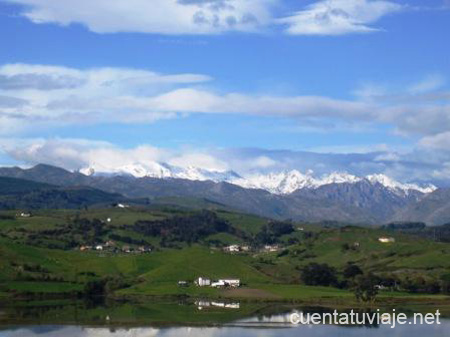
(285, 182)
(151, 169)
(160, 171)
(397, 186)
(339, 178)
(291, 181)
(278, 183)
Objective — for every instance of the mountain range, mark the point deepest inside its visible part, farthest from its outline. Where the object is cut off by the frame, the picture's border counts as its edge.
(281, 183)
(341, 197)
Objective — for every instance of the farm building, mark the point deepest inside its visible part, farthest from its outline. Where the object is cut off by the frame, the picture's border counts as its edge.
(235, 283)
(386, 240)
(203, 282)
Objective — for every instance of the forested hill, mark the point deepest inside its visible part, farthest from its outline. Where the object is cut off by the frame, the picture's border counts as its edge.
(24, 194)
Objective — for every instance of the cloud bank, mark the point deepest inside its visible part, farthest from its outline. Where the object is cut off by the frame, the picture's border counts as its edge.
(55, 95)
(416, 165)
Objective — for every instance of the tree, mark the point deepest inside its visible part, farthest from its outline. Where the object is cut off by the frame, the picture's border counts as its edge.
(95, 288)
(351, 271)
(366, 288)
(315, 274)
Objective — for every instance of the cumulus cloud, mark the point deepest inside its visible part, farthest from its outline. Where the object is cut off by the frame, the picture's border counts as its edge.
(156, 16)
(339, 17)
(325, 17)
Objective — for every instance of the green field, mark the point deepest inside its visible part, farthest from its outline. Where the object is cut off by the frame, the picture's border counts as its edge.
(41, 267)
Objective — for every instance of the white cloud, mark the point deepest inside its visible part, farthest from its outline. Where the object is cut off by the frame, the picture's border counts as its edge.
(176, 17)
(65, 96)
(74, 154)
(155, 16)
(351, 149)
(61, 95)
(430, 83)
(339, 17)
(58, 96)
(438, 141)
(198, 159)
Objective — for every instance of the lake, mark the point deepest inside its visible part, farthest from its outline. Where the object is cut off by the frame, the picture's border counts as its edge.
(201, 318)
(252, 331)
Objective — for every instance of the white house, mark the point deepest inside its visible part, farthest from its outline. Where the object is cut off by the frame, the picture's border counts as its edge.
(386, 240)
(203, 282)
(218, 284)
(233, 248)
(234, 283)
(271, 248)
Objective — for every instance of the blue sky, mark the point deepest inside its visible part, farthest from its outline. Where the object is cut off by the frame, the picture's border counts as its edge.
(199, 82)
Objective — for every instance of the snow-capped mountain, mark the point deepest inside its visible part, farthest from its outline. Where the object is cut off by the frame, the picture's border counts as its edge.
(374, 199)
(161, 171)
(291, 181)
(281, 183)
(397, 186)
(152, 169)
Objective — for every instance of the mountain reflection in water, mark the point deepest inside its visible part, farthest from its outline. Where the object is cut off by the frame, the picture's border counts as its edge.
(234, 331)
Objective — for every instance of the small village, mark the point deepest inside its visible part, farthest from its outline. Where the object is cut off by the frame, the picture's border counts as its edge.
(235, 248)
(112, 247)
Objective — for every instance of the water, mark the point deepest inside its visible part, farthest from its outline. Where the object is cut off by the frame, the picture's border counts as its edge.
(232, 331)
(206, 319)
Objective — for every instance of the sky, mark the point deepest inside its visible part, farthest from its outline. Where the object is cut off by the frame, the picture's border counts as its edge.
(361, 86)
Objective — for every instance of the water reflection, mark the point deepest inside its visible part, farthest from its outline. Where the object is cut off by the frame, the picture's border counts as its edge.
(216, 319)
(304, 331)
(226, 305)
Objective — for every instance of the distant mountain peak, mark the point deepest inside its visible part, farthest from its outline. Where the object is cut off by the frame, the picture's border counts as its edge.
(288, 182)
(158, 170)
(282, 183)
(395, 185)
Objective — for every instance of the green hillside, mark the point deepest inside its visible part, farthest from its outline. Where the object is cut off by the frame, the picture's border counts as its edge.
(41, 255)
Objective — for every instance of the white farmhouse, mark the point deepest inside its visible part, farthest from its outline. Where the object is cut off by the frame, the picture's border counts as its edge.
(203, 282)
(386, 240)
(271, 248)
(233, 249)
(218, 284)
(234, 283)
